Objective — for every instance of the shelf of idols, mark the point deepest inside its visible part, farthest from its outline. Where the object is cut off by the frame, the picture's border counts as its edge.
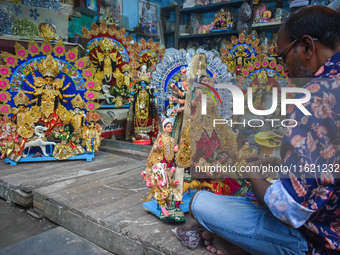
(7, 42)
(219, 33)
(212, 7)
(140, 34)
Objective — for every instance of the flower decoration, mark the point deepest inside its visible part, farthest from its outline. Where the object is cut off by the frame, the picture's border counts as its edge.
(34, 14)
(46, 48)
(87, 73)
(90, 84)
(5, 96)
(59, 49)
(5, 71)
(272, 64)
(4, 84)
(33, 48)
(5, 109)
(93, 85)
(10, 59)
(92, 106)
(81, 63)
(91, 95)
(21, 52)
(72, 55)
(16, 9)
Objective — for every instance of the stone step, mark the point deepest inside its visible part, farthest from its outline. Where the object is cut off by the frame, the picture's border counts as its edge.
(54, 242)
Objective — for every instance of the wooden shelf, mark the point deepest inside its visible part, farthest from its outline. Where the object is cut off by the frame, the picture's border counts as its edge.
(7, 42)
(87, 11)
(170, 8)
(216, 34)
(267, 25)
(212, 7)
(141, 34)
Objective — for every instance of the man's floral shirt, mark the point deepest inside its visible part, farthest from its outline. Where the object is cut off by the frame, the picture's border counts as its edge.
(308, 191)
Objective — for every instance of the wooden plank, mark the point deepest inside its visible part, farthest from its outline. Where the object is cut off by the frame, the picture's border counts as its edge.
(17, 182)
(88, 156)
(45, 173)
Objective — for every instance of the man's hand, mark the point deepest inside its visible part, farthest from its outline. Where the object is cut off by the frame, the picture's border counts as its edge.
(256, 175)
(255, 164)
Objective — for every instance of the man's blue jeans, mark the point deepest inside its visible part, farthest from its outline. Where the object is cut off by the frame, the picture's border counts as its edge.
(251, 227)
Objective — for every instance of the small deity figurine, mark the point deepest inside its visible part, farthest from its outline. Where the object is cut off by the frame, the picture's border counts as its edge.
(142, 112)
(23, 119)
(159, 180)
(259, 11)
(77, 116)
(163, 152)
(181, 94)
(266, 16)
(48, 31)
(220, 21)
(20, 114)
(244, 152)
(107, 61)
(259, 89)
(227, 183)
(92, 132)
(239, 59)
(229, 20)
(8, 139)
(153, 60)
(69, 146)
(126, 77)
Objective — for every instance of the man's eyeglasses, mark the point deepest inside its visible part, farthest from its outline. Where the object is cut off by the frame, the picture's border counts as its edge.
(282, 56)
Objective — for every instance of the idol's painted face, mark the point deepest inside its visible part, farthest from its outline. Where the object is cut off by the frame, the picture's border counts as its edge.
(168, 128)
(21, 108)
(246, 145)
(143, 84)
(48, 80)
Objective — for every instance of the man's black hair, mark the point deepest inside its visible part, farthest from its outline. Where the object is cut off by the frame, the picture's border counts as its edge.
(316, 21)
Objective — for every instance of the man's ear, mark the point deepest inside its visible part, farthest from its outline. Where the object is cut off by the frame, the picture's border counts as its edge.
(308, 45)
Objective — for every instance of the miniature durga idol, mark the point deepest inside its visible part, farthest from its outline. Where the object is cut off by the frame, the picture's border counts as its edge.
(48, 94)
(159, 176)
(92, 132)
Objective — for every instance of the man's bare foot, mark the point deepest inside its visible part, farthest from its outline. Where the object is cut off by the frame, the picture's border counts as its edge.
(207, 237)
(220, 246)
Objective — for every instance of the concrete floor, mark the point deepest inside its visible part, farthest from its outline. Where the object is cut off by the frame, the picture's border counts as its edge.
(20, 233)
(17, 225)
